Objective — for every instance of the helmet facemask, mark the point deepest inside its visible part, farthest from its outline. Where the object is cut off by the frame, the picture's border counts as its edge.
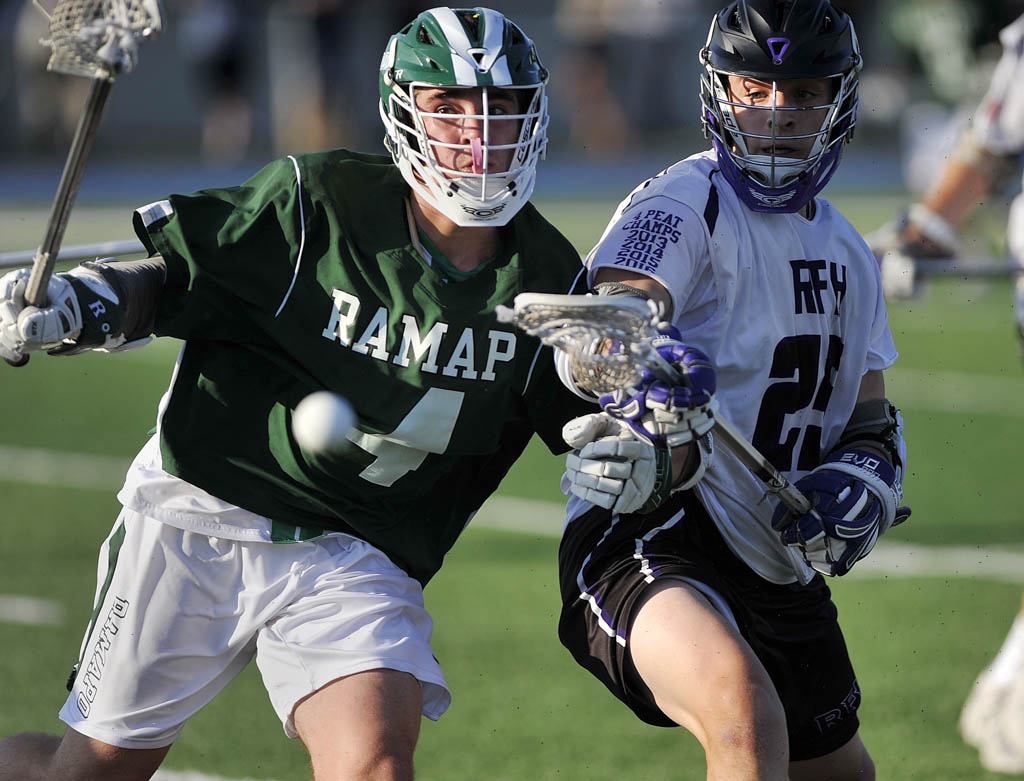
(773, 166)
(469, 181)
(472, 167)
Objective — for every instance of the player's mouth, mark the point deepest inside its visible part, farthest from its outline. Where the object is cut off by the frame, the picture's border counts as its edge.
(784, 150)
(471, 162)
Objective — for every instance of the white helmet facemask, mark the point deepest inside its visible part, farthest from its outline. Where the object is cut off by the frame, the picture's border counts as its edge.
(475, 187)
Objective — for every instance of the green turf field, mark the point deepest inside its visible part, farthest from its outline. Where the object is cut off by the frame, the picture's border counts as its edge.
(522, 710)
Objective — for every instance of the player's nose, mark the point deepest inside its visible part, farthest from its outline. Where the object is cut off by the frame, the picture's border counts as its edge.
(472, 124)
(782, 118)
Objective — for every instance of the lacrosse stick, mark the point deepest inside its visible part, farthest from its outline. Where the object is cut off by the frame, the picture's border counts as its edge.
(103, 249)
(584, 327)
(983, 268)
(96, 39)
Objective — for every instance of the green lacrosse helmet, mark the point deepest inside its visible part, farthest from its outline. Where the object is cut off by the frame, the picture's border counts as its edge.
(471, 48)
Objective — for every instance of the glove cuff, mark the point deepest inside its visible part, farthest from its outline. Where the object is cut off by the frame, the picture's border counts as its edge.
(935, 228)
(662, 480)
(701, 453)
(877, 474)
(102, 313)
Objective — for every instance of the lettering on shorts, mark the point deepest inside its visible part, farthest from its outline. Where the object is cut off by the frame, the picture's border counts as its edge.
(648, 235)
(88, 681)
(831, 718)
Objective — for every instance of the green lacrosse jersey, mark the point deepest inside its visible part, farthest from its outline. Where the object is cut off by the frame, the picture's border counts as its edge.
(305, 278)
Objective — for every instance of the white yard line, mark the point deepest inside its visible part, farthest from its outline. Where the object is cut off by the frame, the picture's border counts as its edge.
(105, 473)
(52, 467)
(30, 610)
(890, 557)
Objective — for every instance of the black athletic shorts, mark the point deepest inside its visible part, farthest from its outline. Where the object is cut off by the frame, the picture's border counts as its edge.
(605, 567)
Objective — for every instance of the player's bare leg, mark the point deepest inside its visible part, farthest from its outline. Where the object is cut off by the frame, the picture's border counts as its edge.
(848, 763)
(33, 756)
(363, 726)
(706, 678)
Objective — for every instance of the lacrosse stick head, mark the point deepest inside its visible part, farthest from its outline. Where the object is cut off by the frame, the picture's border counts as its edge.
(98, 39)
(607, 338)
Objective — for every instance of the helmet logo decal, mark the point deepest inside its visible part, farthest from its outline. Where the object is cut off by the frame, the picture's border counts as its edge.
(772, 200)
(483, 213)
(778, 48)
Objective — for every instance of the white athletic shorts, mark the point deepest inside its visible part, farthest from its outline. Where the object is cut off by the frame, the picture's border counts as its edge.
(179, 614)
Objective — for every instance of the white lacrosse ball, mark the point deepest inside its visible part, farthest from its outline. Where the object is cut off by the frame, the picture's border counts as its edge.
(322, 421)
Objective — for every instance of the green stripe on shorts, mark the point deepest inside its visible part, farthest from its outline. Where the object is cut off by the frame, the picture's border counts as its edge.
(287, 532)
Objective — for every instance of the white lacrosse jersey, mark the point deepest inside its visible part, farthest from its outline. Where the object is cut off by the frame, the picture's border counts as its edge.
(790, 311)
(999, 120)
(998, 126)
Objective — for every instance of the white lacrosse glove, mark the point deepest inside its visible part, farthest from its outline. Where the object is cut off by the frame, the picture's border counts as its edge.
(611, 468)
(917, 234)
(83, 313)
(899, 275)
(26, 329)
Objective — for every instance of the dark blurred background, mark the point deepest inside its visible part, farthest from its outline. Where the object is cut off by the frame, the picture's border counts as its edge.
(232, 83)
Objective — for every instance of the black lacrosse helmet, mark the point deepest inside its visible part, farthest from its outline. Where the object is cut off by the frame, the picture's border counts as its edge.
(782, 39)
(773, 40)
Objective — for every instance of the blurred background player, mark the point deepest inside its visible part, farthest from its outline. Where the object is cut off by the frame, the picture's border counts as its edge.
(987, 156)
(619, 59)
(992, 719)
(370, 276)
(710, 611)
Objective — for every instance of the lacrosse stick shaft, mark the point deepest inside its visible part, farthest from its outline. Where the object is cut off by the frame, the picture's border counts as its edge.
(748, 455)
(74, 167)
(961, 268)
(752, 459)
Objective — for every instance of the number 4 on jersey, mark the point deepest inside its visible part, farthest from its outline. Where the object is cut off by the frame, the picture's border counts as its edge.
(426, 429)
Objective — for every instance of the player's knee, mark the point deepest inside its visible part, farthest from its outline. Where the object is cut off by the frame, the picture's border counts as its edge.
(393, 762)
(27, 756)
(748, 718)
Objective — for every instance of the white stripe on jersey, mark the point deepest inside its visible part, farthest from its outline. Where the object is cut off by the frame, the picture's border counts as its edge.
(302, 236)
(152, 212)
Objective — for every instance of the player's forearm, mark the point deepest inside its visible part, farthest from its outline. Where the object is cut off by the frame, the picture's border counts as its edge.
(685, 462)
(651, 287)
(964, 186)
(138, 285)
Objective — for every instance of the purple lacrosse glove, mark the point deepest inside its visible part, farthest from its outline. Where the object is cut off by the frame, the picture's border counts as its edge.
(659, 412)
(854, 498)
